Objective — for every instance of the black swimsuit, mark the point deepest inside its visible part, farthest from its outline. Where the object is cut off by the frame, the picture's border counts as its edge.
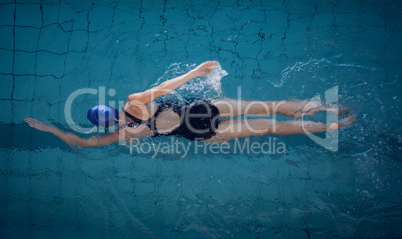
(199, 119)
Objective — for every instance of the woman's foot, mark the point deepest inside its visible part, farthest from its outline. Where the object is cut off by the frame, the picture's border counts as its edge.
(298, 108)
(342, 123)
(337, 110)
(333, 108)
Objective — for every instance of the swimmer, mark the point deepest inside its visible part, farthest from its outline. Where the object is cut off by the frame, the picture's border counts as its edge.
(144, 114)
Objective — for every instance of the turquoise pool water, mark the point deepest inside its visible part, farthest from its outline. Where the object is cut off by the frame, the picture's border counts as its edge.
(273, 50)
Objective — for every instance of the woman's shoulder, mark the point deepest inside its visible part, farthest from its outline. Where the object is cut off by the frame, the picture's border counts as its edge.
(141, 110)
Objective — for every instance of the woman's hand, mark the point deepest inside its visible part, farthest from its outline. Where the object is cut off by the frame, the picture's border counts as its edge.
(74, 140)
(205, 68)
(36, 124)
(168, 86)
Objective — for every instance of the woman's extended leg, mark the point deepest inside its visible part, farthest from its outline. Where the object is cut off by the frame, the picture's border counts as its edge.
(240, 128)
(236, 107)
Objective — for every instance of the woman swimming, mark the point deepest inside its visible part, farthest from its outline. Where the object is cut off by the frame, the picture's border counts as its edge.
(197, 119)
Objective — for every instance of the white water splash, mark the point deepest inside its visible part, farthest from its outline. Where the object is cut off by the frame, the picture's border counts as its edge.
(204, 87)
(214, 79)
(312, 66)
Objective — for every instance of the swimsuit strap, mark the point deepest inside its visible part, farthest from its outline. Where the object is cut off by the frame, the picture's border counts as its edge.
(132, 117)
(151, 123)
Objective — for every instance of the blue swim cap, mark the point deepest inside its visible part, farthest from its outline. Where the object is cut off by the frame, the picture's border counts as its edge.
(103, 115)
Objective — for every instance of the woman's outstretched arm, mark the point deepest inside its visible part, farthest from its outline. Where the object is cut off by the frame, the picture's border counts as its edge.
(72, 139)
(168, 86)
